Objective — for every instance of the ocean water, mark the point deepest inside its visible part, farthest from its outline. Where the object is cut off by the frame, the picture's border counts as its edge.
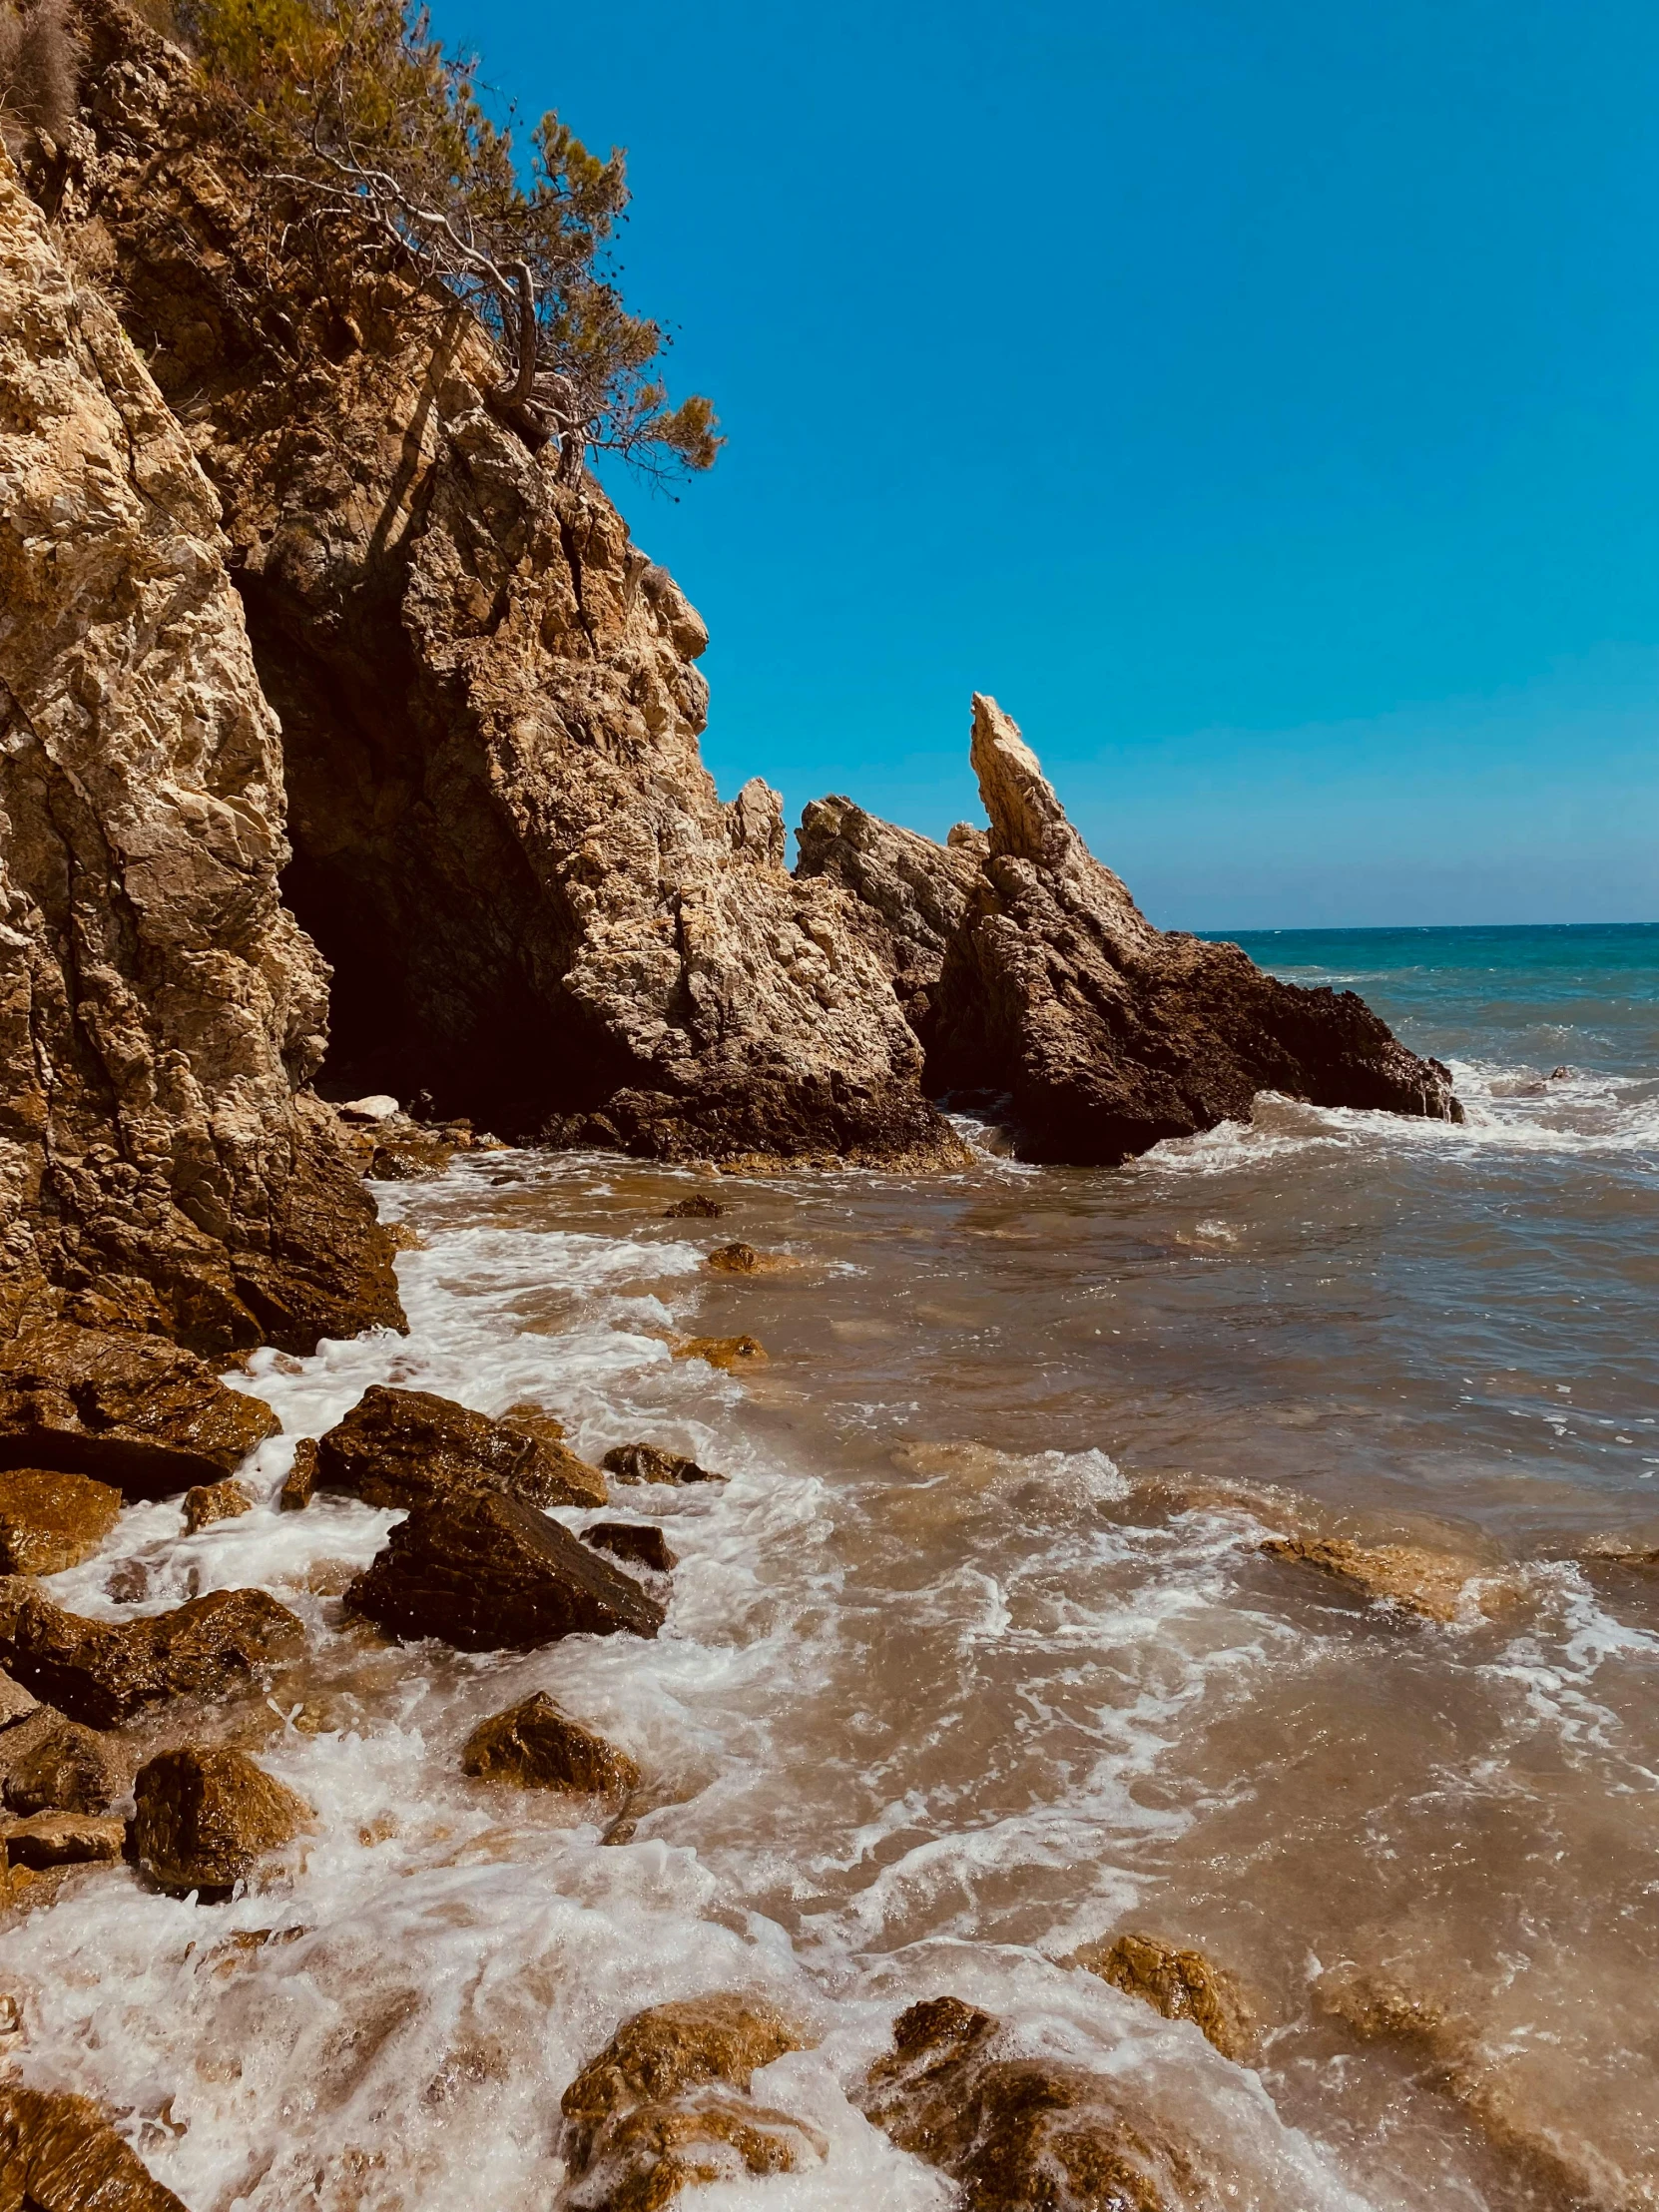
(977, 1656)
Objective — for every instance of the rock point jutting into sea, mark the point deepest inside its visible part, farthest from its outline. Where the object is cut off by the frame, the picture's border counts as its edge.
(904, 1802)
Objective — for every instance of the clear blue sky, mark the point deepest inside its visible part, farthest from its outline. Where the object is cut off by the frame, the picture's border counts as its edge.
(1259, 397)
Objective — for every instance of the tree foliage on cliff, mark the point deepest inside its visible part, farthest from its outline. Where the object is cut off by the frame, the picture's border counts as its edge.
(380, 133)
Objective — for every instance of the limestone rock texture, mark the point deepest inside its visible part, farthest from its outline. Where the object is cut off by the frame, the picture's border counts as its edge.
(506, 841)
(160, 1163)
(1036, 980)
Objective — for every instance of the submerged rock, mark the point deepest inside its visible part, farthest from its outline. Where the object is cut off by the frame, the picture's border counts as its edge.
(63, 1840)
(162, 1166)
(410, 1448)
(133, 1411)
(642, 1541)
(694, 1208)
(666, 2106)
(648, 1464)
(731, 1353)
(1433, 1584)
(103, 1672)
(215, 1502)
(1181, 1984)
(540, 1746)
(60, 2154)
(484, 1572)
(50, 1521)
(49, 1764)
(1017, 2134)
(733, 1259)
(203, 1819)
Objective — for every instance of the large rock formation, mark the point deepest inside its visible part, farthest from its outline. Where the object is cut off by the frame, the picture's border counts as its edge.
(160, 1165)
(1041, 982)
(537, 908)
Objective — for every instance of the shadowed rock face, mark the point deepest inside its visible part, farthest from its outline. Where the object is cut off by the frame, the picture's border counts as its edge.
(160, 1010)
(537, 906)
(1034, 976)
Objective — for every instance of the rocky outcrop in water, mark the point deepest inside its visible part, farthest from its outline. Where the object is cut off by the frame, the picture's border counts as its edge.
(161, 1164)
(205, 1818)
(666, 2106)
(1179, 1983)
(103, 1672)
(486, 1572)
(1038, 981)
(540, 1746)
(60, 2154)
(411, 1448)
(1016, 2133)
(133, 1411)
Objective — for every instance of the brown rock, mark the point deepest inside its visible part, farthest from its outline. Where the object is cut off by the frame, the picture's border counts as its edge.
(642, 1541)
(301, 1479)
(487, 1573)
(1430, 1583)
(733, 1259)
(535, 1420)
(506, 843)
(16, 1703)
(1549, 2146)
(49, 1764)
(666, 2106)
(1030, 975)
(646, 1463)
(731, 1353)
(215, 1502)
(695, 1208)
(102, 1672)
(1181, 1984)
(409, 1447)
(50, 1521)
(1016, 2134)
(133, 1411)
(204, 1818)
(542, 1747)
(59, 2154)
(63, 1840)
(919, 890)
(162, 1167)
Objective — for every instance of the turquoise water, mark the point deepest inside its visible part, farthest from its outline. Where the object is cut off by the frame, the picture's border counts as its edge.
(1512, 1003)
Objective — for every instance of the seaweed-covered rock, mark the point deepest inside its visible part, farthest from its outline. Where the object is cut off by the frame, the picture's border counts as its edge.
(51, 1520)
(666, 2106)
(540, 1746)
(486, 1572)
(411, 1448)
(60, 2154)
(203, 1819)
(133, 1411)
(103, 1672)
(1017, 2134)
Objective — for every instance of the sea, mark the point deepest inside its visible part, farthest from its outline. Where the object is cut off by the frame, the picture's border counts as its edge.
(976, 1658)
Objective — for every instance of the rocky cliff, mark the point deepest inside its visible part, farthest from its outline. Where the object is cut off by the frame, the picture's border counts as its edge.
(160, 1163)
(1033, 976)
(506, 841)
